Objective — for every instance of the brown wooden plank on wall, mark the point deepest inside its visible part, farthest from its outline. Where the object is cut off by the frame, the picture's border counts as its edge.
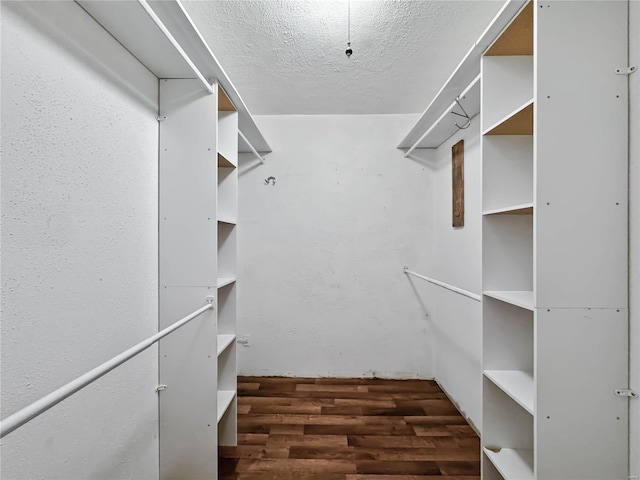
(457, 175)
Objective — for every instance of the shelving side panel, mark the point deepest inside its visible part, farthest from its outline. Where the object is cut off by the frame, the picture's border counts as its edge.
(507, 333)
(505, 424)
(507, 171)
(187, 184)
(581, 150)
(187, 274)
(228, 194)
(228, 136)
(187, 408)
(507, 252)
(507, 83)
(581, 425)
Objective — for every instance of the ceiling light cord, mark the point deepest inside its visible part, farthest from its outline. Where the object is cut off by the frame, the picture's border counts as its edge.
(349, 50)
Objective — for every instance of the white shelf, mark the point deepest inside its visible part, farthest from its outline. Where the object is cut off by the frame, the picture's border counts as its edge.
(225, 398)
(515, 383)
(223, 282)
(224, 341)
(523, 209)
(513, 464)
(522, 299)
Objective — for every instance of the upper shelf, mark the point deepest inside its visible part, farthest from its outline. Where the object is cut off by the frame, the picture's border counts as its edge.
(517, 39)
(463, 75)
(162, 36)
(518, 122)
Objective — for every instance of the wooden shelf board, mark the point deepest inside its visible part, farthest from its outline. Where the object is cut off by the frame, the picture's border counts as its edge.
(225, 398)
(513, 464)
(224, 341)
(224, 104)
(224, 163)
(517, 38)
(522, 299)
(520, 122)
(524, 209)
(228, 221)
(515, 383)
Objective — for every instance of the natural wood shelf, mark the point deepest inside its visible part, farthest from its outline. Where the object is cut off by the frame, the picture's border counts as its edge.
(224, 104)
(522, 299)
(513, 464)
(225, 398)
(520, 122)
(224, 341)
(227, 221)
(517, 39)
(223, 282)
(515, 383)
(524, 209)
(224, 163)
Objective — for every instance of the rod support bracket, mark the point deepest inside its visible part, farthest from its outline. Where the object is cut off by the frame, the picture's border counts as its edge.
(159, 388)
(211, 300)
(626, 392)
(405, 268)
(626, 70)
(161, 118)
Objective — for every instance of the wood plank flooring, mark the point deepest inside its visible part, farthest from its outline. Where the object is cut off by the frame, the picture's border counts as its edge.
(348, 429)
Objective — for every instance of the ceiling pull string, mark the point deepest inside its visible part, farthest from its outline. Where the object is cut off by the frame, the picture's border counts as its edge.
(349, 50)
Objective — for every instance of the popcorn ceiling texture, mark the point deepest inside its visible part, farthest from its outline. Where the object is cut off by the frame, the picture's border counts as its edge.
(287, 56)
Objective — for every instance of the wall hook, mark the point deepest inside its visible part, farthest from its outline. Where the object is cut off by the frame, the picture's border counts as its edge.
(270, 179)
(464, 114)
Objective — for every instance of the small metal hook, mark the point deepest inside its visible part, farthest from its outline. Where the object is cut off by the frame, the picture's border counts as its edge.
(466, 115)
(271, 180)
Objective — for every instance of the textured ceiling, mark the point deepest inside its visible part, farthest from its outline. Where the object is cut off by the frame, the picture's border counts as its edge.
(287, 56)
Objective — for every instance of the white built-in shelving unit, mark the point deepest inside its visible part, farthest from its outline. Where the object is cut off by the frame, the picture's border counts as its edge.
(227, 205)
(554, 127)
(200, 117)
(553, 122)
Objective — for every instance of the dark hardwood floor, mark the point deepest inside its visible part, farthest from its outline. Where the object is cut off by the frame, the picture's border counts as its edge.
(348, 429)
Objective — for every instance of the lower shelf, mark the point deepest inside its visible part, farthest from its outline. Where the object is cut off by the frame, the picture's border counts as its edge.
(517, 384)
(512, 464)
(224, 341)
(225, 398)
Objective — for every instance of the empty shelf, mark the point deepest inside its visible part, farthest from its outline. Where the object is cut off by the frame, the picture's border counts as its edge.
(522, 299)
(223, 282)
(225, 397)
(524, 209)
(519, 122)
(224, 341)
(515, 383)
(512, 464)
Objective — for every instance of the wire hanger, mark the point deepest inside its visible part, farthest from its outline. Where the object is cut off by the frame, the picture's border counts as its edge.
(464, 114)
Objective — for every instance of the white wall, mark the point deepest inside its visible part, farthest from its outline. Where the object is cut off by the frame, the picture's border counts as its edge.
(634, 239)
(79, 244)
(320, 254)
(457, 320)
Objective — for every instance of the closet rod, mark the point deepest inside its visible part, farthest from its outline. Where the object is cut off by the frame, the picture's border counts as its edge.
(444, 114)
(175, 45)
(457, 290)
(253, 150)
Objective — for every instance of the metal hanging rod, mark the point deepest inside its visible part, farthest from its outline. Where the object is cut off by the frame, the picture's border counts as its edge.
(253, 150)
(444, 114)
(30, 412)
(175, 44)
(457, 290)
